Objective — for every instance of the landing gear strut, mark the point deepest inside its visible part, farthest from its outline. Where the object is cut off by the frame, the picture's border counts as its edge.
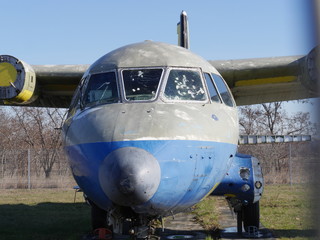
(98, 217)
(248, 217)
(118, 222)
(99, 223)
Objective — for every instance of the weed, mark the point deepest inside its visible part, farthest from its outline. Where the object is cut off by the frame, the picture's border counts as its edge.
(207, 214)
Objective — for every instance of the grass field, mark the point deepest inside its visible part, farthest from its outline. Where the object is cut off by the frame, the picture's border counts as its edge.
(207, 214)
(50, 214)
(287, 211)
(42, 214)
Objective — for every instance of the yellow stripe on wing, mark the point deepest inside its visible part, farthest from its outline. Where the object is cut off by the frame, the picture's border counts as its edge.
(263, 81)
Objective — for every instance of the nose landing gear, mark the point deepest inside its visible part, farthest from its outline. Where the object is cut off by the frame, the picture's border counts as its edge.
(248, 218)
(118, 223)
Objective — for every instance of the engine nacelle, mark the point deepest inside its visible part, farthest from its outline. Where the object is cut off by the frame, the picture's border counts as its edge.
(17, 81)
(243, 182)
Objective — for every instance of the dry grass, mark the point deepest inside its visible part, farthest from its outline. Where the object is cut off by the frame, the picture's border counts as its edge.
(207, 213)
(51, 214)
(37, 182)
(287, 211)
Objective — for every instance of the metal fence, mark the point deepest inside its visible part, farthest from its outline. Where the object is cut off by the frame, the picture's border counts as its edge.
(28, 168)
(286, 163)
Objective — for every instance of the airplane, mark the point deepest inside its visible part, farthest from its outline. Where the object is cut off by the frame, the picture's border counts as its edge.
(152, 128)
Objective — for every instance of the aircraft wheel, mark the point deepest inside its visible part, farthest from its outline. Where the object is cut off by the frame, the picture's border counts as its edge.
(126, 226)
(239, 222)
(98, 217)
(251, 216)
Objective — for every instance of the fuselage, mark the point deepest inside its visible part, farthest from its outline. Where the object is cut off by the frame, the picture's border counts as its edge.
(151, 127)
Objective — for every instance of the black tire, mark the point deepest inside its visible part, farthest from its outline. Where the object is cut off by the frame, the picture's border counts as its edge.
(239, 222)
(126, 226)
(251, 216)
(98, 217)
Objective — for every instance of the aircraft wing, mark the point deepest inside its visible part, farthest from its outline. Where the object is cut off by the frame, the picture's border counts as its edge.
(38, 85)
(251, 81)
(254, 81)
(57, 83)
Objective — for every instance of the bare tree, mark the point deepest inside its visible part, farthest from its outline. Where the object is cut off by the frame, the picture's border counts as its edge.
(300, 123)
(5, 130)
(249, 119)
(39, 132)
(272, 119)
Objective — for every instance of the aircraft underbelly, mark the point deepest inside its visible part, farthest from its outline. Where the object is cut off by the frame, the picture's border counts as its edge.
(189, 170)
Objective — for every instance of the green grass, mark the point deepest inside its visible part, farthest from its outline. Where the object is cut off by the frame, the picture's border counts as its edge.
(42, 214)
(51, 214)
(207, 214)
(287, 211)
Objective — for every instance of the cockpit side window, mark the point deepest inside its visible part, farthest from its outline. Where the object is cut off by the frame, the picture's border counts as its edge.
(184, 85)
(141, 84)
(74, 102)
(223, 90)
(101, 88)
(214, 96)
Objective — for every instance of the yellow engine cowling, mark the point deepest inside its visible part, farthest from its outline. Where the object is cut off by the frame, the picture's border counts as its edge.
(17, 81)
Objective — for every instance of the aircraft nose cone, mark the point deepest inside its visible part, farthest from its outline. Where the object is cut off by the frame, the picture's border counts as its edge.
(129, 176)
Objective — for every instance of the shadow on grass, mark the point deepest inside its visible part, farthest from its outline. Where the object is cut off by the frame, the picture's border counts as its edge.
(48, 221)
(295, 233)
(196, 234)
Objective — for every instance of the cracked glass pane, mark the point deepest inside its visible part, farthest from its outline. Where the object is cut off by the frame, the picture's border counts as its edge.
(141, 84)
(184, 85)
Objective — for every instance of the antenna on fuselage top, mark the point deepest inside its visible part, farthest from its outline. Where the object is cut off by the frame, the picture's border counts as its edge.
(183, 31)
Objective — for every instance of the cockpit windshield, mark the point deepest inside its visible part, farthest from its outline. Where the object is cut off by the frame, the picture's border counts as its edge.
(184, 85)
(101, 88)
(141, 84)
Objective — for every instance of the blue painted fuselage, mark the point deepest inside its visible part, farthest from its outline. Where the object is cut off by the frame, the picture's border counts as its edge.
(190, 168)
(189, 171)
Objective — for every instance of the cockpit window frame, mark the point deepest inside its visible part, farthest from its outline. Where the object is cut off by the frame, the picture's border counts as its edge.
(164, 84)
(122, 85)
(75, 103)
(85, 86)
(233, 103)
(215, 88)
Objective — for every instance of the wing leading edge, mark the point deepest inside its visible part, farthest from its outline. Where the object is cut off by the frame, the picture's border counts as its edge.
(252, 81)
